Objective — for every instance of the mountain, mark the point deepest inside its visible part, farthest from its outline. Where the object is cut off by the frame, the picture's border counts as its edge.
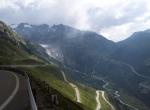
(135, 51)
(11, 45)
(93, 60)
(17, 54)
(69, 43)
(16, 49)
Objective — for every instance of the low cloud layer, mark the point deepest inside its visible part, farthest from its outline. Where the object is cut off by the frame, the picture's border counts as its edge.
(115, 19)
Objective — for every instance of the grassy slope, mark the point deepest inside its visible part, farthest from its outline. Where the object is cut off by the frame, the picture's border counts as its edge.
(104, 105)
(50, 74)
(132, 100)
(53, 77)
(87, 94)
(10, 53)
(13, 51)
(11, 48)
(88, 97)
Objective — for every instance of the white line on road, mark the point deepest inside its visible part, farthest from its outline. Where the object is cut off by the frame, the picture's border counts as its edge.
(74, 86)
(4, 104)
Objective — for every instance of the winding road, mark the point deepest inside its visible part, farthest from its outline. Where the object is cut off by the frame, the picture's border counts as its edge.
(103, 96)
(117, 95)
(13, 91)
(73, 86)
(135, 72)
(98, 107)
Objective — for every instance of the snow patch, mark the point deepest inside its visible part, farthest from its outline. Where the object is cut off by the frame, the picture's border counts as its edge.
(14, 26)
(44, 45)
(27, 26)
(53, 52)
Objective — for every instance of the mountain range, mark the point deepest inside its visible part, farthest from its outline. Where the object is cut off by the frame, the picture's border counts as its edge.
(92, 54)
(88, 59)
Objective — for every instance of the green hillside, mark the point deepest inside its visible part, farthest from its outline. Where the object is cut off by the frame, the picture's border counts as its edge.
(16, 51)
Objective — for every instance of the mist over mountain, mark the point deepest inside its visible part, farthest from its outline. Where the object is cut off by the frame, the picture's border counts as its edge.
(70, 43)
(91, 54)
(74, 55)
(86, 57)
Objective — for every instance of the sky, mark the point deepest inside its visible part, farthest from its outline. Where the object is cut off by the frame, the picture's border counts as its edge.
(114, 19)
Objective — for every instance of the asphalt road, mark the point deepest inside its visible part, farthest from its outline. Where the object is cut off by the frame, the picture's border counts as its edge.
(13, 91)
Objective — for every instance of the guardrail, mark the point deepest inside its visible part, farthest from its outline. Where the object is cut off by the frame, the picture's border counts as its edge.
(32, 100)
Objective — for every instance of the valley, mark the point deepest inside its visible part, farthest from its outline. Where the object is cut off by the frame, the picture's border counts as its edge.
(78, 70)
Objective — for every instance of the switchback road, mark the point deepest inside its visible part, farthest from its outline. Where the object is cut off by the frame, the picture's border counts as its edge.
(73, 86)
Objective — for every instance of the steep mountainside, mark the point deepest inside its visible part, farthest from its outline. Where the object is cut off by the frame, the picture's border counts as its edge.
(32, 59)
(91, 59)
(16, 50)
(73, 47)
(11, 45)
(135, 51)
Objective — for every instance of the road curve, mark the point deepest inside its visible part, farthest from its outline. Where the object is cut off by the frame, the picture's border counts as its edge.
(12, 95)
(13, 91)
(98, 107)
(117, 95)
(135, 72)
(73, 86)
(103, 96)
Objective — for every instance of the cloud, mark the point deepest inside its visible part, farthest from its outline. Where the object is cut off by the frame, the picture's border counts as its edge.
(116, 19)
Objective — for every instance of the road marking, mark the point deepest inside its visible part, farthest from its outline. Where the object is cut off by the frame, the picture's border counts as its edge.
(12, 94)
(73, 86)
(98, 107)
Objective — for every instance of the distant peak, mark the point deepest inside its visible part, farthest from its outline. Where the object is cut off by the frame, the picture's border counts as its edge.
(64, 28)
(61, 26)
(24, 25)
(148, 30)
(43, 25)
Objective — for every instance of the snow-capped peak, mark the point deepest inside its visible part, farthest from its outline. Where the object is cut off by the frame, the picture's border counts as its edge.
(14, 26)
(27, 26)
